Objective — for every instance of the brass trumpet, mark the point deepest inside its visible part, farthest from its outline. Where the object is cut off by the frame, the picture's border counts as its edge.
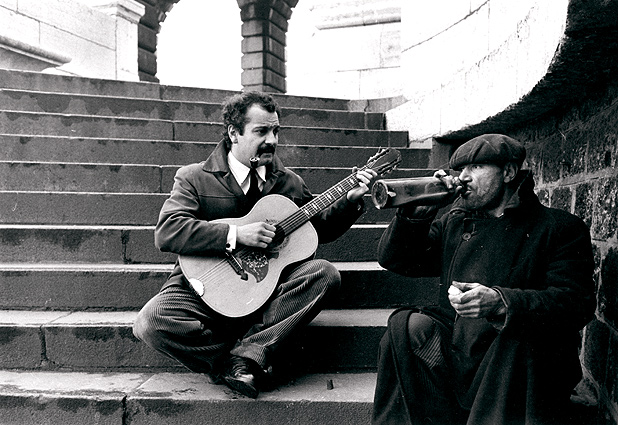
(392, 193)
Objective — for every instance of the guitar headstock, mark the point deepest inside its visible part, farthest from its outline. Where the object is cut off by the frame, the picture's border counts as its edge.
(384, 161)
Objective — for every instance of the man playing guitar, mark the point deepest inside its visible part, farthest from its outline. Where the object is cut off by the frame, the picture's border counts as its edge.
(238, 350)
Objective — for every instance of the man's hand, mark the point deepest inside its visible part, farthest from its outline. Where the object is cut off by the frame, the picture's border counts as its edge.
(365, 177)
(424, 211)
(258, 234)
(475, 300)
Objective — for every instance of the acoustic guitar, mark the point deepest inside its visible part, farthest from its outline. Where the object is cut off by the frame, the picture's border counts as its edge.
(239, 283)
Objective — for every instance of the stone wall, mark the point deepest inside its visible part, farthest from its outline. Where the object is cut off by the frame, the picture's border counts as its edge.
(574, 155)
(351, 50)
(91, 38)
(465, 61)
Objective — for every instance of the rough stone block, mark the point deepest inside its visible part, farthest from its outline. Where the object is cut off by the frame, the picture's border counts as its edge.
(575, 146)
(80, 208)
(263, 76)
(608, 291)
(262, 28)
(263, 44)
(36, 408)
(80, 177)
(139, 247)
(263, 60)
(197, 132)
(147, 61)
(20, 347)
(21, 339)
(606, 209)
(584, 202)
(73, 342)
(561, 198)
(188, 399)
(20, 123)
(357, 244)
(147, 38)
(553, 155)
(78, 288)
(68, 245)
(602, 141)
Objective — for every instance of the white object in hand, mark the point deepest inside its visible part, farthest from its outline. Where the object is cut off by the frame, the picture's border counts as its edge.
(453, 290)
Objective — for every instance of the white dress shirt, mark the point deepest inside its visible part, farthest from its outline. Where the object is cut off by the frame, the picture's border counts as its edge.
(241, 173)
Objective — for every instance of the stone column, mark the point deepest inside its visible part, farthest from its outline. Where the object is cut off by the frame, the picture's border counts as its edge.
(263, 29)
(127, 14)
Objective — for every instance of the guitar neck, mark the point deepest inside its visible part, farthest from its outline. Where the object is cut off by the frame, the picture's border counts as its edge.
(318, 204)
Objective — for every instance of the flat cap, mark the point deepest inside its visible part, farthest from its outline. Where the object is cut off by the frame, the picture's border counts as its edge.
(488, 149)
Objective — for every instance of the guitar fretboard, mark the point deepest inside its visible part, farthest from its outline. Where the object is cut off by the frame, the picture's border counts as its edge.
(318, 204)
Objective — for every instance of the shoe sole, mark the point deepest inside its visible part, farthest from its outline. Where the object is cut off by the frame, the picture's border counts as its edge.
(242, 388)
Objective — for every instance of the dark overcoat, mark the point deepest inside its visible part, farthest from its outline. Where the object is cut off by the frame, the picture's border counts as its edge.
(518, 368)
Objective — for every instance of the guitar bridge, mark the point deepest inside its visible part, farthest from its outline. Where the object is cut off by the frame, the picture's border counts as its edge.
(236, 266)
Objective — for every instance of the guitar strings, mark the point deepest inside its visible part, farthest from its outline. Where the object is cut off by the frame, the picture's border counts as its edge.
(298, 218)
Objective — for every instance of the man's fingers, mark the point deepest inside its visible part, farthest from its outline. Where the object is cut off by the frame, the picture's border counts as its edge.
(465, 286)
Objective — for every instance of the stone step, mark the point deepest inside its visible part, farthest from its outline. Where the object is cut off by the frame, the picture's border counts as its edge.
(77, 398)
(127, 107)
(101, 208)
(24, 80)
(128, 151)
(97, 286)
(140, 178)
(135, 244)
(38, 124)
(335, 341)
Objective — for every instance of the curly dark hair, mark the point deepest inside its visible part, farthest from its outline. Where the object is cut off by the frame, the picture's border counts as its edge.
(235, 110)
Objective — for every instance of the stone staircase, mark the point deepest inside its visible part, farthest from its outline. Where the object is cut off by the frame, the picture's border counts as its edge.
(85, 166)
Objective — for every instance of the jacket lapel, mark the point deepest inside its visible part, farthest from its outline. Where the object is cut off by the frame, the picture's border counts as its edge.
(216, 164)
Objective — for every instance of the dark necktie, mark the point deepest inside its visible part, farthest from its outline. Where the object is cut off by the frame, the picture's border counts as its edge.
(253, 194)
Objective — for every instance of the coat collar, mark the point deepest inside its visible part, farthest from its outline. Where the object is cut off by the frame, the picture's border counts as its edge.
(217, 164)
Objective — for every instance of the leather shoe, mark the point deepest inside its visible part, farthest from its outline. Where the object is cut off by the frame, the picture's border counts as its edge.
(239, 375)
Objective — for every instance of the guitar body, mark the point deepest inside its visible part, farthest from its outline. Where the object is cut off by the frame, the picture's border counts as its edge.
(237, 292)
(239, 283)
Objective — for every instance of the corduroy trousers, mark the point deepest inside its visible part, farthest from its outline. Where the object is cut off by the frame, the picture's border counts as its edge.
(179, 324)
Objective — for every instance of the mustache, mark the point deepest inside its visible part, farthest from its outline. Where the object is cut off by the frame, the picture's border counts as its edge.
(266, 149)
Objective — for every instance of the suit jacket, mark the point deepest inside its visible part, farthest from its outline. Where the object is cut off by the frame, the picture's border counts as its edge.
(208, 191)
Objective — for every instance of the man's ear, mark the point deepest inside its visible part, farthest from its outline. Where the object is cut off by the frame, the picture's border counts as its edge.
(232, 133)
(510, 171)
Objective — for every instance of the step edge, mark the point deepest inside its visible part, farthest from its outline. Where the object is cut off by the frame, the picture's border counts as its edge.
(366, 318)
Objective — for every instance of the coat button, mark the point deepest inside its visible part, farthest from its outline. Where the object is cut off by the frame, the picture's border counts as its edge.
(466, 236)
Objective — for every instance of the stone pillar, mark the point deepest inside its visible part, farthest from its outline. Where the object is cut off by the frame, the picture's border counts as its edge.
(264, 26)
(127, 14)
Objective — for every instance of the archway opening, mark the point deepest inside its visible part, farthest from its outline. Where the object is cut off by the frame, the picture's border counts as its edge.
(199, 45)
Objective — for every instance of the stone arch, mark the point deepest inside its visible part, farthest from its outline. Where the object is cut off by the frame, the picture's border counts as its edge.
(264, 28)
